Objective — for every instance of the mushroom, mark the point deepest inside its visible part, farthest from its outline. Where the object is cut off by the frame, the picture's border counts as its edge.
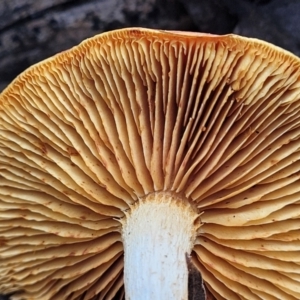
(156, 148)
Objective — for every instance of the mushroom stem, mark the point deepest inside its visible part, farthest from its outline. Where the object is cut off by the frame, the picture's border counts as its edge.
(158, 233)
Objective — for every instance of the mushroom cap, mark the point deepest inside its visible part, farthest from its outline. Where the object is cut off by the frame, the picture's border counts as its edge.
(86, 133)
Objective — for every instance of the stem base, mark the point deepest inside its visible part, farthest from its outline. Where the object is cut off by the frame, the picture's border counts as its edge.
(158, 232)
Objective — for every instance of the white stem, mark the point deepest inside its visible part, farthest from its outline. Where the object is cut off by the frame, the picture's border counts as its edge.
(158, 232)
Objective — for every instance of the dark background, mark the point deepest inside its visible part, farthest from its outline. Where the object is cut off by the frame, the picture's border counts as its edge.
(31, 30)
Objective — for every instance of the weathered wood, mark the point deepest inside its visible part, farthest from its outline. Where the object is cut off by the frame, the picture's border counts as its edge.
(13, 11)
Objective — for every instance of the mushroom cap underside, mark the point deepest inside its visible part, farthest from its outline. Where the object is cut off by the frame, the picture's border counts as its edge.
(87, 133)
